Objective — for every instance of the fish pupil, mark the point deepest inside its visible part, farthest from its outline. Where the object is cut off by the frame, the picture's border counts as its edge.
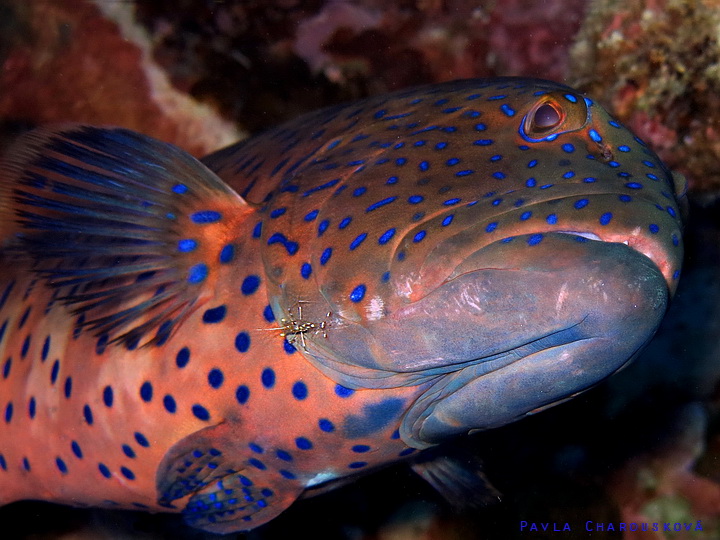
(546, 117)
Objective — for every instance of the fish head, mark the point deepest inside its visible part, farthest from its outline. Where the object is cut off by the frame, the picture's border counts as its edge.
(506, 244)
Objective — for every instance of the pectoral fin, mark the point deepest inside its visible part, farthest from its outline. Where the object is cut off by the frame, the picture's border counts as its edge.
(231, 489)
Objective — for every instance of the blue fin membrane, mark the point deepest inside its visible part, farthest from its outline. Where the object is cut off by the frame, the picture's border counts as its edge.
(128, 229)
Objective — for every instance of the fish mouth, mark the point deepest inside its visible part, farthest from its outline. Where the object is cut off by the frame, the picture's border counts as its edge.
(539, 328)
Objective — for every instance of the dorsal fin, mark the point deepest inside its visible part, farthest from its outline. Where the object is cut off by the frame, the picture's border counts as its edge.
(127, 228)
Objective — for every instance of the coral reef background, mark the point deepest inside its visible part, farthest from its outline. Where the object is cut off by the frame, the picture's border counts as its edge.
(643, 447)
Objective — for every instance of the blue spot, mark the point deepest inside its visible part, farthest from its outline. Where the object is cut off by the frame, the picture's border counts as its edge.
(26, 464)
(441, 146)
(676, 274)
(634, 185)
(268, 378)
(322, 227)
(183, 357)
(169, 404)
(452, 161)
(197, 273)
(306, 270)
(343, 392)
(288, 347)
(256, 448)
(268, 314)
(87, 414)
(215, 378)
(250, 284)
(357, 464)
(8, 412)
(54, 371)
(6, 368)
(200, 412)
(606, 218)
(589, 180)
(419, 236)
(303, 444)
(551, 219)
(326, 425)
(568, 174)
(299, 390)
(654, 229)
(76, 449)
(525, 216)
(483, 142)
(25, 347)
(127, 473)
(141, 439)
(310, 216)
(287, 474)
(385, 277)
(580, 203)
(468, 172)
(625, 198)
(378, 204)
(206, 216)
(45, 347)
(282, 454)
(325, 257)
(257, 464)
(569, 148)
(358, 293)
(214, 315)
(595, 136)
(129, 452)
(108, 396)
(31, 408)
(242, 394)
(3, 463)
(360, 448)
(358, 240)
(180, 189)
(424, 166)
(61, 465)
(491, 227)
(400, 161)
(374, 417)
(344, 223)
(392, 180)
(447, 220)
(386, 236)
(535, 239)
(187, 245)
(623, 148)
(227, 253)
(277, 213)
(530, 182)
(507, 110)
(415, 199)
(652, 177)
(279, 238)
(257, 230)
(146, 391)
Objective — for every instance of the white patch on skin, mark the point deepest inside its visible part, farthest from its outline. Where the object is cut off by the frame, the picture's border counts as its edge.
(562, 296)
(320, 478)
(375, 309)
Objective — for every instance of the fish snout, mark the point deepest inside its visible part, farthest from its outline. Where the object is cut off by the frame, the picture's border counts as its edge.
(547, 322)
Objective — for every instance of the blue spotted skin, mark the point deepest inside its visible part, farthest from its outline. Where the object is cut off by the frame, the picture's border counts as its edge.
(467, 253)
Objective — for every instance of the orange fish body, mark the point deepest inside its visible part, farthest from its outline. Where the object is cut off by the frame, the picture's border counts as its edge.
(363, 283)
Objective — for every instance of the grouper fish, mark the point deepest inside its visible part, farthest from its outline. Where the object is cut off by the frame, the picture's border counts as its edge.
(221, 337)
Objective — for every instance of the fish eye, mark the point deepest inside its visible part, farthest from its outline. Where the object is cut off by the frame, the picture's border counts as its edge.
(553, 114)
(546, 117)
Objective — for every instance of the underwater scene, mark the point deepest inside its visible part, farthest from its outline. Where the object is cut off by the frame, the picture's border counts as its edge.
(360, 269)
